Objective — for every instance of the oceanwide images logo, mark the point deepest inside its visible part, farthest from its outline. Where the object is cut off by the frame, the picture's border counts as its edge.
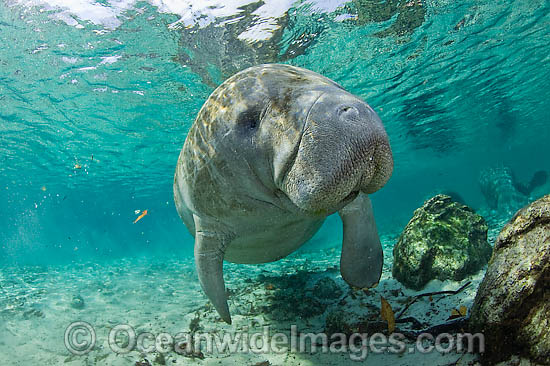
(81, 338)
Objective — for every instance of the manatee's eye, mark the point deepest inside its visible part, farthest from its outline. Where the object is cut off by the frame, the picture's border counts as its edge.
(249, 119)
(347, 110)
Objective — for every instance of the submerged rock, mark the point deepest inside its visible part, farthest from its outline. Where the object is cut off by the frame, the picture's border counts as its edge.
(444, 240)
(512, 305)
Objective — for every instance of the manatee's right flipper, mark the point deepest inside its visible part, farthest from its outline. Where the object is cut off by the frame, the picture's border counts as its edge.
(209, 252)
(362, 256)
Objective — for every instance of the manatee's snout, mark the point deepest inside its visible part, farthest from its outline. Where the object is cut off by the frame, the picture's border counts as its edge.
(344, 150)
(381, 165)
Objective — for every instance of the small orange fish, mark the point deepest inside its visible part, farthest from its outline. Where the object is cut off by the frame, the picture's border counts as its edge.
(141, 216)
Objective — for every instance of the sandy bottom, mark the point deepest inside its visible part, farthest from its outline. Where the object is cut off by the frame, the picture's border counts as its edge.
(305, 290)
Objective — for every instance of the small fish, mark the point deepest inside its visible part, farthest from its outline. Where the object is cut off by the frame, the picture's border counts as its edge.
(141, 216)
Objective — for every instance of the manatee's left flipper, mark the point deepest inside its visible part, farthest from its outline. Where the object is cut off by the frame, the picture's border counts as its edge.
(362, 255)
(209, 252)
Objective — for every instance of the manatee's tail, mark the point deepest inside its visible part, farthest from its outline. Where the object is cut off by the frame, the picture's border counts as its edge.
(539, 179)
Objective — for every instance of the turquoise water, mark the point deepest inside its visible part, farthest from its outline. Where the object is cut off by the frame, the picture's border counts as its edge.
(461, 88)
(96, 99)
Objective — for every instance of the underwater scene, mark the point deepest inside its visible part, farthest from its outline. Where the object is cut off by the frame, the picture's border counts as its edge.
(267, 183)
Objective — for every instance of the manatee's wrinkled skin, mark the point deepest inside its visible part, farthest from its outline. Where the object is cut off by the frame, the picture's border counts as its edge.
(273, 151)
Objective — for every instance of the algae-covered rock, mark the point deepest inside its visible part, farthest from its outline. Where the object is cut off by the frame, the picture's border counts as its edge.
(444, 240)
(512, 305)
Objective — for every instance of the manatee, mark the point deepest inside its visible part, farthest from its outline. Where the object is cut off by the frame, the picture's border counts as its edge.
(273, 151)
(539, 179)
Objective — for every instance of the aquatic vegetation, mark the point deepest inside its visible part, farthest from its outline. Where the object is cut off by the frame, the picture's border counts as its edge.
(327, 289)
(348, 323)
(287, 299)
